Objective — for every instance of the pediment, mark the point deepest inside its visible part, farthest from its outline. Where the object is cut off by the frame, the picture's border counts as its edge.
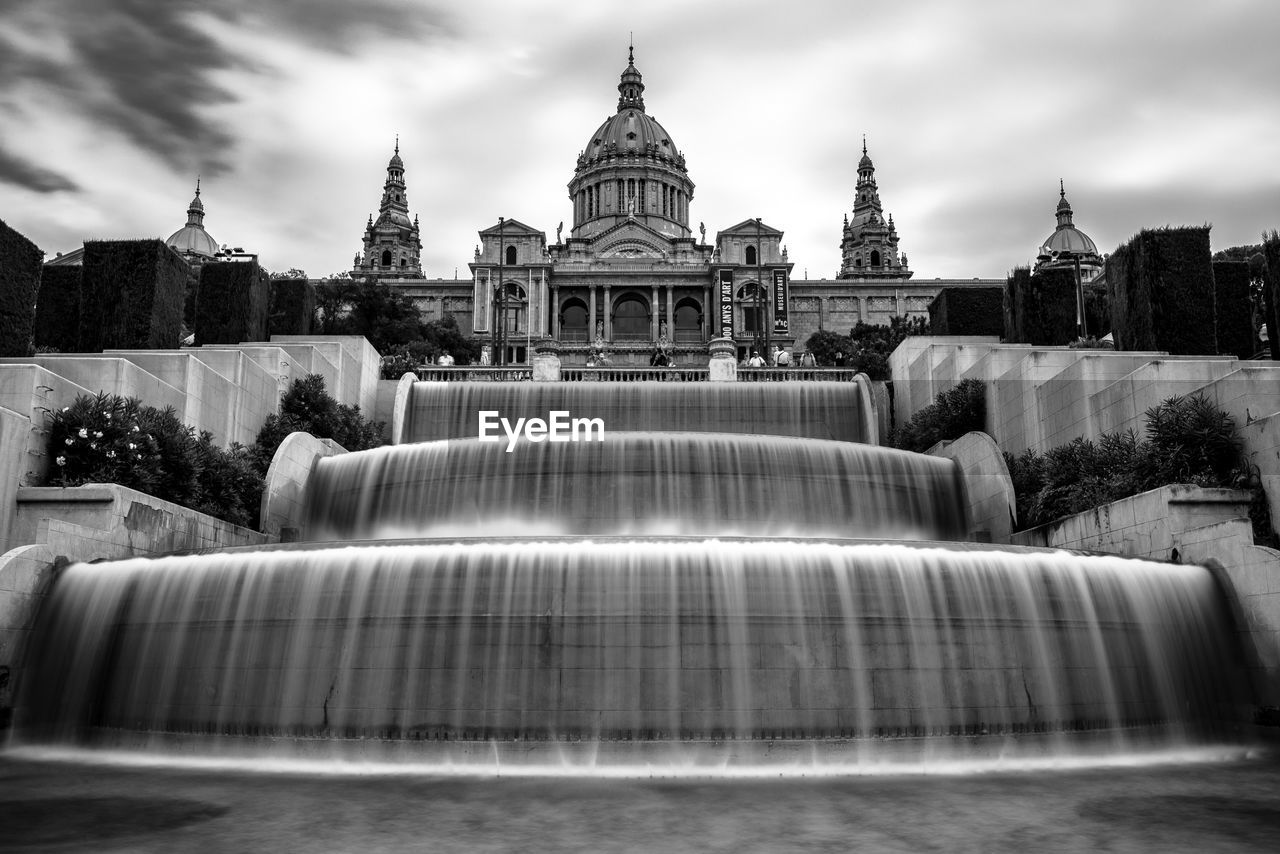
(631, 240)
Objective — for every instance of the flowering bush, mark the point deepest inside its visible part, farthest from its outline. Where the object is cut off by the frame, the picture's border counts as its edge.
(110, 439)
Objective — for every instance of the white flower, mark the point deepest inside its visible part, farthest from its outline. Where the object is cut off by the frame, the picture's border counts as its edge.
(93, 446)
(111, 455)
(132, 446)
(83, 433)
(135, 428)
(69, 441)
(108, 416)
(62, 461)
(97, 434)
(65, 408)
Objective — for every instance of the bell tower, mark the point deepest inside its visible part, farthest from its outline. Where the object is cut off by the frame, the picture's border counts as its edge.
(392, 245)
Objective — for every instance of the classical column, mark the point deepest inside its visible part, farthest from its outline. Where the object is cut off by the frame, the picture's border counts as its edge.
(671, 311)
(608, 314)
(707, 314)
(653, 315)
(591, 312)
(555, 312)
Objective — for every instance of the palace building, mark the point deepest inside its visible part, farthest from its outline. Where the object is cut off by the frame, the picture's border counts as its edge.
(631, 270)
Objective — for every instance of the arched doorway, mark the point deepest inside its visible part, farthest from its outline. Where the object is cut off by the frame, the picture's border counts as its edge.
(573, 321)
(631, 319)
(689, 322)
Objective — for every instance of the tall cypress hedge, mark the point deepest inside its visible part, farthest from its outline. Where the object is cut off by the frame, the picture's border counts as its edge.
(232, 303)
(1271, 290)
(20, 263)
(293, 307)
(58, 309)
(1041, 307)
(967, 311)
(131, 295)
(1162, 294)
(1235, 311)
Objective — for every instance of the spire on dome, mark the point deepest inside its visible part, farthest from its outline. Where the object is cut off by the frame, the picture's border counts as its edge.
(195, 210)
(1064, 207)
(631, 87)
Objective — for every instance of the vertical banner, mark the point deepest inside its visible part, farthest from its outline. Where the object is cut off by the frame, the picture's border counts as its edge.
(724, 289)
(781, 323)
(483, 306)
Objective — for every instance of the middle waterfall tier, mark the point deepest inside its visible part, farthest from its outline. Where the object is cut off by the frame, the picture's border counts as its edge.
(637, 484)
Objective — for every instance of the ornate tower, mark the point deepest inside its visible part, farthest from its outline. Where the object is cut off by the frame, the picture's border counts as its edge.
(630, 169)
(869, 245)
(392, 247)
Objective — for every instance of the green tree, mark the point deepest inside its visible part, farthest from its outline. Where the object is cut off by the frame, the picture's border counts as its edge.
(825, 344)
(383, 315)
(306, 406)
(873, 343)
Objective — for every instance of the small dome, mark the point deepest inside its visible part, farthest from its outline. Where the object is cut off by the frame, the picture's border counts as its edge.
(1070, 239)
(193, 240)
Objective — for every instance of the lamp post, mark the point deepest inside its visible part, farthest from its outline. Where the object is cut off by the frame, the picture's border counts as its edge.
(500, 304)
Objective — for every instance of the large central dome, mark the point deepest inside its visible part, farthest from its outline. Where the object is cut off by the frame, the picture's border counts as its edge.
(630, 169)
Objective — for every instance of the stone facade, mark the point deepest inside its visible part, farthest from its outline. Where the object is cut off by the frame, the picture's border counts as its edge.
(631, 276)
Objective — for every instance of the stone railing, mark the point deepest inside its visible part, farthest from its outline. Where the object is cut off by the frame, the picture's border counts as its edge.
(631, 375)
(769, 375)
(473, 373)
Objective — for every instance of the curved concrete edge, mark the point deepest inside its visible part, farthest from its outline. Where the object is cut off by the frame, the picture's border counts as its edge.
(25, 573)
(1250, 578)
(284, 493)
(400, 408)
(988, 487)
(867, 407)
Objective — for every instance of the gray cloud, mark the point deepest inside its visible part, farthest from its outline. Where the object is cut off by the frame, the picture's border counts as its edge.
(23, 173)
(149, 68)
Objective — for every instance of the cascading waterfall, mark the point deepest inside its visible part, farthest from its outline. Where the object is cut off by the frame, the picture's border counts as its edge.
(650, 597)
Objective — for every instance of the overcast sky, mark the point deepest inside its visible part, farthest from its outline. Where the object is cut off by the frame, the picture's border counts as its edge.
(1154, 113)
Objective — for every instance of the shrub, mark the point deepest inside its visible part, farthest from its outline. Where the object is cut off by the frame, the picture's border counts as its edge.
(231, 303)
(57, 322)
(20, 268)
(873, 344)
(109, 439)
(825, 344)
(967, 311)
(132, 295)
(953, 413)
(1188, 440)
(1162, 292)
(308, 407)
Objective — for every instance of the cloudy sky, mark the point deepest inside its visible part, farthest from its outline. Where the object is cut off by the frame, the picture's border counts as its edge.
(1154, 113)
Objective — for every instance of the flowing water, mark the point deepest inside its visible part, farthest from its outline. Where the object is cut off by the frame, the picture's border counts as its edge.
(655, 599)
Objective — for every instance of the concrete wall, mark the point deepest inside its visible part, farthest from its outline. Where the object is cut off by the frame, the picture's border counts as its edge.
(24, 576)
(1152, 524)
(988, 488)
(106, 520)
(358, 366)
(283, 499)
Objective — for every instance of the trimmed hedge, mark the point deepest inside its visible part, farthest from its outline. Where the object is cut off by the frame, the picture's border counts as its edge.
(293, 307)
(232, 303)
(1162, 294)
(1271, 290)
(132, 293)
(57, 324)
(1040, 308)
(20, 266)
(1235, 310)
(967, 311)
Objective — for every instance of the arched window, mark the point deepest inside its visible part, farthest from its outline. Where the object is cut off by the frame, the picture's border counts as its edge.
(515, 308)
(753, 305)
(404, 262)
(688, 322)
(573, 320)
(386, 257)
(511, 255)
(631, 319)
(751, 255)
(875, 258)
(857, 260)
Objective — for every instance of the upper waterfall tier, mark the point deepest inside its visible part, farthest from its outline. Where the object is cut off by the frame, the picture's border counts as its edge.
(687, 484)
(814, 410)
